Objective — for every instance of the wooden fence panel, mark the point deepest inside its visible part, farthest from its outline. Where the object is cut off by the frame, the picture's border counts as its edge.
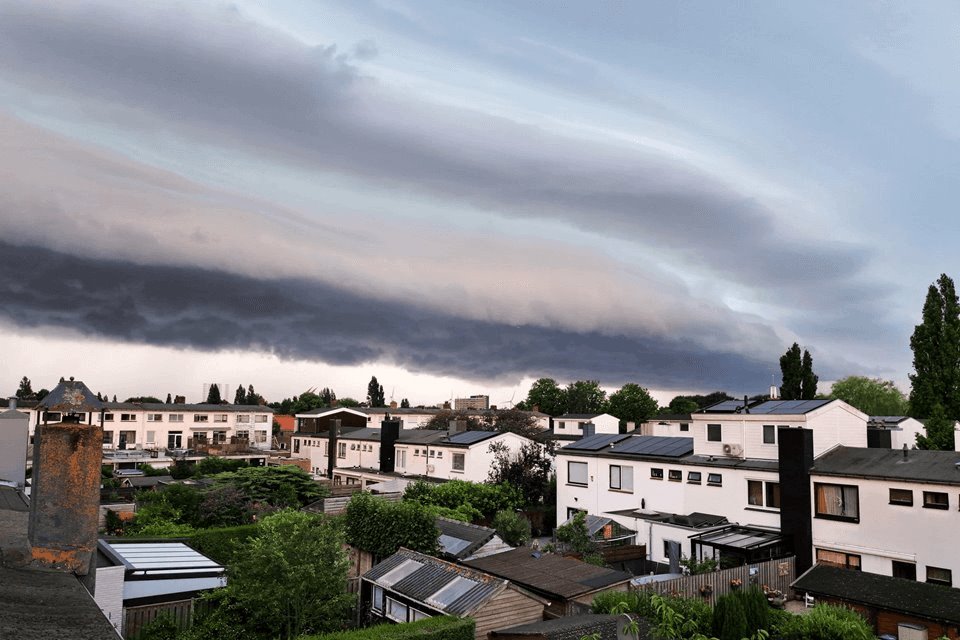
(336, 505)
(136, 617)
(775, 575)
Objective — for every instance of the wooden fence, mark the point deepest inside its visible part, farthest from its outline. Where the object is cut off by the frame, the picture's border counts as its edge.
(774, 575)
(135, 617)
(338, 504)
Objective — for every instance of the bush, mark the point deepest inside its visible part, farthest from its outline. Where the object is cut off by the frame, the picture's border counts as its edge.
(824, 622)
(382, 527)
(576, 536)
(729, 618)
(512, 527)
(214, 465)
(693, 615)
(437, 628)
(222, 544)
(163, 627)
(280, 487)
(488, 499)
(755, 608)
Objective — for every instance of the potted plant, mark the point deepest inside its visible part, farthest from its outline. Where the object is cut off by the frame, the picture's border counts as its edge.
(706, 589)
(736, 583)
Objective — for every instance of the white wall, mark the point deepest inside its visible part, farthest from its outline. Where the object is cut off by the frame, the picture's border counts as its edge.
(667, 428)
(108, 594)
(889, 532)
(906, 434)
(604, 423)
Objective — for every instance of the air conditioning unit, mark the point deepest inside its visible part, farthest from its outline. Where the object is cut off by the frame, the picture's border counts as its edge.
(732, 449)
(353, 447)
(430, 468)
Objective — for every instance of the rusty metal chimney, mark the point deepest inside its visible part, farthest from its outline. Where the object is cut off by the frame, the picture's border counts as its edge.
(65, 494)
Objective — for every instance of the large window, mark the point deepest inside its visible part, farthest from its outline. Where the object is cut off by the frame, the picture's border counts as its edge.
(243, 419)
(935, 500)
(261, 419)
(108, 437)
(577, 473)
(837, 501)
(154, 417)
(108, 417)
(377, 604)
(128, 417)
(201, 417)
(769, 434)
(458, 461)
(763, 494)
(342, 450)
(174, 440)
(220, 417)
(936, 575)
(396, 610)
(621, 478)
(905, 570)
(903, 497)
(714, 433)
(839, 559)
(175, 417)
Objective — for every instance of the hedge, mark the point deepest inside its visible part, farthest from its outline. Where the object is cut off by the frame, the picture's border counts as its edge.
(437, 628)
(221, 544)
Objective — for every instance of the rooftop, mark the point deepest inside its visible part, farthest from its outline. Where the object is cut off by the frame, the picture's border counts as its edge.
(439, 437)
(432, 411)
(71, 396)
(572, 628)
(202, 407)
(886, 422)
(623, 444)
(934, 467)
(767, 407)
(549, 574)
(579, 416)
(460, 539)
(909, 597)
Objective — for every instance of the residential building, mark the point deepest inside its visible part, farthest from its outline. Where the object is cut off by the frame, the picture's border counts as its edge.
(473, 402)
(410, 586)
(315, 421)
(575, 425)
(675, 424)
(893, 432)
(568, 585)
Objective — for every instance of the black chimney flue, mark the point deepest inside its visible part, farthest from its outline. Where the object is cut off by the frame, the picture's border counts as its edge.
(389, 433)
(795, 453)
(333, 430)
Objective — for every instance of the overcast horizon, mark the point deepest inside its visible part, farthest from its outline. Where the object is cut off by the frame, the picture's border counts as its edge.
(460, 198)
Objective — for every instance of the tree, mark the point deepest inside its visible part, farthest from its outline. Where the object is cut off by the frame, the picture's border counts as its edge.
(327, 396)
(873, 396)
(586, 396)
(632, 403)
(808, 379)
(681, 405)
(142, 399)
(382, 527)
(240, 397)
(515, 421)
(293, 574)
(285, 486)
(545, 395)
(529, 470)
(348, 402)
(404, 404)
(441, 420)
(253, 398)
(169, 399)
(729, 618)
(375, 397)
(936, 353)
(25, 391)
(512, 528)
(213, 396)
(791, 368)
(939, 430)
(114, 396)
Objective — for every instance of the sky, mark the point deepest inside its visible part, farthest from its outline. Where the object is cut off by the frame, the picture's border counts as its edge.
(462, 197)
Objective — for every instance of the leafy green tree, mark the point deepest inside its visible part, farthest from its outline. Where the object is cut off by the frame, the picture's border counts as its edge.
(756, 609)
(375, 396)
(515, 421)
(285, 486)
(253, 398)
(225, 506)
(141, 399)
(327, 396)
(293, 575)
(873, 396)
(512, 528)
(791, 369)
(940, 431)
(729, 618)
(169, 399)
(213, 395)
(529, 470)
(546, 396)
(25, 391)
(163, 627)
(586, 396)
(681, 405)
(576, 535)
(808, 379)
(936, 353)
(240, 397)
(382, 527)
(632, 403)
(348, 402)
(441, 420)
(487, 499)
(404, 404)
(213, 465)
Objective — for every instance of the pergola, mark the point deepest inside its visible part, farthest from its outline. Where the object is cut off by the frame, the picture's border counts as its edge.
(747, 544)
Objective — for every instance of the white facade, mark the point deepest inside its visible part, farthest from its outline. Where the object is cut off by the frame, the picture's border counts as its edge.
(414, 418)
(667, 426)
(108, 594)
(572, 424)
(753, 435)
(132, 426)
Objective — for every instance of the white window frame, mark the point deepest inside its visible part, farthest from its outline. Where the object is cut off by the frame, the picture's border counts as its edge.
(459, 461)
(621, 478)
(582, 470)
(175, 417)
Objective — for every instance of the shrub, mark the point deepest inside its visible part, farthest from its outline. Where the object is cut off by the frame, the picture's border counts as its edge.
(576, 536)
(692, 615)
(214, 465)
(437, 628)
(512, 527)
(729, 618)
(755, 608)
(222, 544)
(285, 486)
(824, 622)
(163, 627)
(488, 499)
(382, 527)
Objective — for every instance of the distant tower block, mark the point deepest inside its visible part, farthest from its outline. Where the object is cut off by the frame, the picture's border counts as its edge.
(65, 494)
(478, 403)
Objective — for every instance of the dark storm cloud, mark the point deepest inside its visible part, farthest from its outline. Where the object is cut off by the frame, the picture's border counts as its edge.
(217, 77)
(208, 310)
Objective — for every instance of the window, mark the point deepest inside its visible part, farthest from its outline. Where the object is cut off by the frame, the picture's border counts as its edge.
(581, 425)
(52, 416)
(175, 417)
(838, 559)
(416, 453)
(577, 473)
(151, 437)
(128, 417)
(763, 494)
(219, 437)
(714, 479)
(243, 419)
(201, 417)
(693, 477)
(837, 501)
(656, 474)
(755, 493)
(402, 458)
(174, 440)
(396, 611)
(902, 497)
(936, 575)
(935, 500)
(108, 417)
(220, 417)
(433, 453)
(342, 450)
(621, 478)
(154, 417)
(675, 475)
(773, 495)
(905, 570)
(439, 454)
(296, 443)
(458, 461)
(714, 433)
(243, 434)
(260, 419)
(684, 426)
(418, 615)
(200, 438)
(769, 434)
(377, 604)
(108, 437)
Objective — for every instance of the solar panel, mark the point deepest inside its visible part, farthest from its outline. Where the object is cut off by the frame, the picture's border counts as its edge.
(668, 446)
(470, 437)
(596, 442)
(725, 405)
(788, 407)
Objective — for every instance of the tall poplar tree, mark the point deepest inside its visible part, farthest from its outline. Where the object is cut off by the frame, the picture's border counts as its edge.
(791, 368)
(808, 379)
(240, 397)
(936, 354)
(213, 395)
(375, 396)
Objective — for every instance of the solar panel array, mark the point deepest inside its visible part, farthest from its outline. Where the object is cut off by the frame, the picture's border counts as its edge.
(672, 447)
(788, 407)
(470, 437)
(596, 442)
(725, 405)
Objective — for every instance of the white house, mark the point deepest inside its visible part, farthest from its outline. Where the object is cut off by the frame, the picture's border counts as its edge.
(572, 424)
(411, 418)
(893, 432)
(888, 512)
(677, 424)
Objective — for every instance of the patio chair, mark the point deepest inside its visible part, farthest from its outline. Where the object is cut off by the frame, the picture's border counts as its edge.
(809, 601)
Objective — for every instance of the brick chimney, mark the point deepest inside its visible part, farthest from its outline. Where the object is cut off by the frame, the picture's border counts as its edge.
(65, 494)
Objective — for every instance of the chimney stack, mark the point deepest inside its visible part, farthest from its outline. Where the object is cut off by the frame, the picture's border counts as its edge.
(589, 429)
(389, 432)
(14, 437)
(333, 430)
(65, 495)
